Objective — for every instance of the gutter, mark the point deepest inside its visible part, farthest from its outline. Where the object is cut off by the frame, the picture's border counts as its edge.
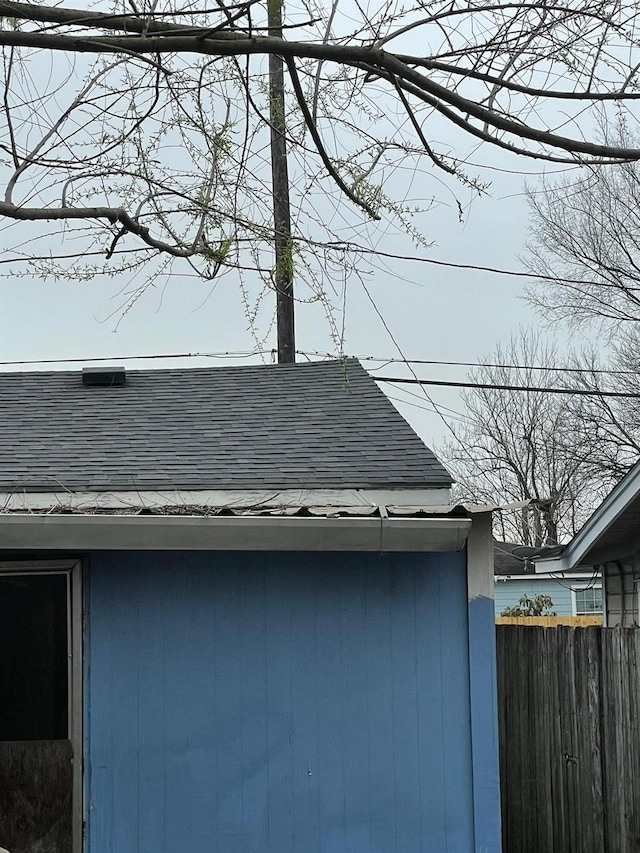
(30, 532)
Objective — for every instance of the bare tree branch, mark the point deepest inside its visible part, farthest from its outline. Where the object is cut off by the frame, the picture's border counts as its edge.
(113, 215)
(160, 135)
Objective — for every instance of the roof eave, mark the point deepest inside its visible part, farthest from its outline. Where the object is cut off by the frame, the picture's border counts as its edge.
(596, 525)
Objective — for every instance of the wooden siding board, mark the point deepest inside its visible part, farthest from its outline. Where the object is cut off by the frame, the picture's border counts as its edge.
(274, 703)
(356, 735)
(430, 674)
(145, 659)
(280, 714)
(507, 593)
(176, 715)
(304, 697)
(403, 665)
(382, 777)
(227, 782)
(98, 655)
(330, 755)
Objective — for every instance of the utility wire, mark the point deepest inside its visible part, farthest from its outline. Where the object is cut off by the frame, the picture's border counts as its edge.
(583, 392)
(459, 415)
(364, 250)
(328, 355)
(245, 354)
(489, 365)
(430, 409)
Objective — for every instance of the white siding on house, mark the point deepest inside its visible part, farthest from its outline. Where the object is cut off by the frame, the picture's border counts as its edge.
(507, 593)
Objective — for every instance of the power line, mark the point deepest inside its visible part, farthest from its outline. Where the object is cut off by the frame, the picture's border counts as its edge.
(459, 415)
(229, 354)
(430, 409)
(364, 250)
(490, 365)
(497, 387)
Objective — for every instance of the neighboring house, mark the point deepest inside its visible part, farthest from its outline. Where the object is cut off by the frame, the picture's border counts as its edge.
(240, 598)
(609, 543)
(578, 594)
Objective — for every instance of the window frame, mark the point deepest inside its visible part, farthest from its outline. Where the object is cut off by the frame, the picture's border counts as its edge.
(578, 587)
(72, 568)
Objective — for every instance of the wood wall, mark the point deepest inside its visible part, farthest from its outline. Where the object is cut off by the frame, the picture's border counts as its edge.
(569, 719)
(35, 796)
(279, 702)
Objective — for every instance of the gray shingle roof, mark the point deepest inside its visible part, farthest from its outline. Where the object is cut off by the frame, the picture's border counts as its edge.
(318, 424)
(505, 562)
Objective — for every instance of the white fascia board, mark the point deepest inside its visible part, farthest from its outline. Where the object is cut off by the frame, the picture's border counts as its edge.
(597, 524)
(217, 498)
(255, 533)
(557, 565)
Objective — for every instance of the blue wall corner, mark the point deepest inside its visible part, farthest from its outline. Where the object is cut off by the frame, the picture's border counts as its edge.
(484, 725)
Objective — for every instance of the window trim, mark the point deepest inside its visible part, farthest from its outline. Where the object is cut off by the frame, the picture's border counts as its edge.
(595, 585)
(73, 570)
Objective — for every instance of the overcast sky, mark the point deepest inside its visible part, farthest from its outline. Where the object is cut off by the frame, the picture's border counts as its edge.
(432, 312)
(422, 311)
(428, 312)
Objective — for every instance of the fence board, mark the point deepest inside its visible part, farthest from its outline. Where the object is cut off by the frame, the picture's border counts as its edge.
(551, 621)
(569, 706)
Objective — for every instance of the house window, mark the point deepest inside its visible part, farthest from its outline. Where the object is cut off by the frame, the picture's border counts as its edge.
(34, 682)
(41, 785)
(587, 600)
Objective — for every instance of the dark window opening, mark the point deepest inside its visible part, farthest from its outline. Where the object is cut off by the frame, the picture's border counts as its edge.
(33, 657)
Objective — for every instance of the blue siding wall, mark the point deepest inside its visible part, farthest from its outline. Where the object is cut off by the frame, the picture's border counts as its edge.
(507, 593)
(278, 703)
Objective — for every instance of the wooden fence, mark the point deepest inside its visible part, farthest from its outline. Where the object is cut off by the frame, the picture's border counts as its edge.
(569, 718)
(551, 621)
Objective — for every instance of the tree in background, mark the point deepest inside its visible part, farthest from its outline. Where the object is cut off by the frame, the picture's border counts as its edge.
(586, 240)
(520, 447)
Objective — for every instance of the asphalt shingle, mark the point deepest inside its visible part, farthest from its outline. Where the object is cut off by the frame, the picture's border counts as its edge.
(312, 425)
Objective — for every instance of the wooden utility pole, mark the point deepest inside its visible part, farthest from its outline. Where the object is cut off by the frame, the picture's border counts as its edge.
(283, 244)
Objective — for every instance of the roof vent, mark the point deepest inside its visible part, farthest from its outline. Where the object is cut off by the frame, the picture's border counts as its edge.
(103, 377)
